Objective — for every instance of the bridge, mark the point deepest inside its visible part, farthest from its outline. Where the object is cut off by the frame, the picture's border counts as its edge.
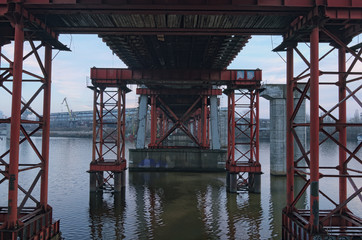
(177, 51)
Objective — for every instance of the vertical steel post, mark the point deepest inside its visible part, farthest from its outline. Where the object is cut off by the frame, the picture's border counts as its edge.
(231, 127)
(119, 127)
(95, 97)
(290, 137)
(251, 124)
(101, 125)
(123, 124)
(15, 127)
(46, 126)
(314, 130)
(342, 129)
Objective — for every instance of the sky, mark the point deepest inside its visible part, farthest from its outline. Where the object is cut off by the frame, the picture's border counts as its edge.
(72, 69)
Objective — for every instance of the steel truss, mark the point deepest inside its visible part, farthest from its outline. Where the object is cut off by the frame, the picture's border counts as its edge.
(28, 215)
(243, 132)
(339, 220)
(194, 122)
(108, 152)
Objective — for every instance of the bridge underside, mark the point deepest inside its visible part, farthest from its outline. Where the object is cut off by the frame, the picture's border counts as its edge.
(178, 47)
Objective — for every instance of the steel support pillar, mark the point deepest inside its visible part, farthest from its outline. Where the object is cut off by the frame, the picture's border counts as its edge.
(314, 130)
(289, 135)
(27, 208)
(108, 154)
(243, 139)
(339, 220)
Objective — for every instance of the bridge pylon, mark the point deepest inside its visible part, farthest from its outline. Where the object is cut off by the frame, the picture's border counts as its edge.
(328, 122)
(108, 165)
(242, 164)
(28, 214)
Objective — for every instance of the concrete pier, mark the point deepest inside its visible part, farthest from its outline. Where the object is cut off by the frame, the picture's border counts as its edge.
(254, 182)
(214, 120)
(142, 121)
(181, 159)
(96, 181)
(231, 182)
(276, 94)
(119, 181)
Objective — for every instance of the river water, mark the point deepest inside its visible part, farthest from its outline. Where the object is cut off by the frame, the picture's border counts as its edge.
(161, 205)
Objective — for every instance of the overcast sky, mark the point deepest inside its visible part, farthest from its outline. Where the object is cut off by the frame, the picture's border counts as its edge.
(71, 69)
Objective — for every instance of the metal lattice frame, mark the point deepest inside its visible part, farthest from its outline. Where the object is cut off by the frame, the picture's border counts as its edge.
(243, 131)
(108, 155)
(26, 207)
(338, 220)
(159, 132)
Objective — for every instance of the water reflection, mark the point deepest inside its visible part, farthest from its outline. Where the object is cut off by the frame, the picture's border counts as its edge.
(278, 201)
(106, 216)
(193, 206)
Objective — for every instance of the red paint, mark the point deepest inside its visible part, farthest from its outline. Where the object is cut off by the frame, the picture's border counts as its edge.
(15, 127)
(342, 130)
(290, 138)
(245, 125)
(108, 153)
(314, 127)
(46, 127)
(118, 76)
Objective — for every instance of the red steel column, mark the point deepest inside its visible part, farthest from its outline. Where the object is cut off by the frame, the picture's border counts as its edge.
(101, 141)
(15, 127)
(342, 129)
(290, 137)
(119, 126)
(314, 130)
(251, 124)
(231, 127)
(46, 126)
(123, 123)
(95, 97)
(153, 120)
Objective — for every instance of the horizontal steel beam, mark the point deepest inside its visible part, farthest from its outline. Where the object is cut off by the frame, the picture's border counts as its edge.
(170, 31)
(119, 77)
(196, 5)
(204, 92)
(113, 167)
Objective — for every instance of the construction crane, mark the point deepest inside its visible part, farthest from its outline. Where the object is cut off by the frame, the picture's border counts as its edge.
(71, 116)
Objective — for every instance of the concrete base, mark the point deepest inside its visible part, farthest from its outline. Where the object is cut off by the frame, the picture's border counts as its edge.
(183, 159)
(254, 182)
(95, 181)
(231, 182)
(119, 181)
